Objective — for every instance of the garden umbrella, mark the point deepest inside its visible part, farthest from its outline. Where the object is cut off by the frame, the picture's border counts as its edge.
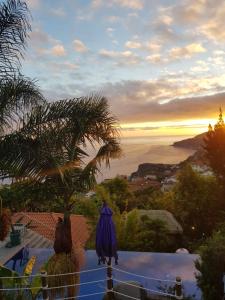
(106, 245)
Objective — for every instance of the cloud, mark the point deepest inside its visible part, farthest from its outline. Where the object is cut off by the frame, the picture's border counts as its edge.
(190, 11)
(165, 19)
(58, 50)
(39, 37)
(62, 66)
(154, 46)
(205, 15)
(33, 4)
(59, 12)
(156, 58)
(131, 4)
(96, 3)
(120, 58)
(79, 46)
(110, 31)
(173, 97)
(187, 51)
(133, 45)
(113, 19)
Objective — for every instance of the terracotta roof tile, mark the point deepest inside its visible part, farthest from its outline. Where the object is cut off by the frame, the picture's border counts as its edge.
(45, 223)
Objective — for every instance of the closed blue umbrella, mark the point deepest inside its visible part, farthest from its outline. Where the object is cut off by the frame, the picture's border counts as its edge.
(106, 244)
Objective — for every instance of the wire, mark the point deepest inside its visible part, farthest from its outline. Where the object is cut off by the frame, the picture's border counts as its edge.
(84, 271)
(22, 288)
(81, 296)
(77, 284)
(143, 288)
(149, 278)
(125, 295)
(51, 288)
(52, 275)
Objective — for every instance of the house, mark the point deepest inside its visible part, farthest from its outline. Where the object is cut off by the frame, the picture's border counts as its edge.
(150, 177)
(168, 183)
(142, 184)
(202, 170)
(44, 224)
(38, 231)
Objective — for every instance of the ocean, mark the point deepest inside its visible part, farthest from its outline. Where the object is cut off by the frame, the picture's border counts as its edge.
(138, 150)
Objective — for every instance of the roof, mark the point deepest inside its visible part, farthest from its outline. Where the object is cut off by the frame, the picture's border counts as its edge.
(45, 224)
(165, 216)
(142, 184)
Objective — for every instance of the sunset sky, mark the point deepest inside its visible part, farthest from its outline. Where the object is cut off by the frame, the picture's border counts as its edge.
(160, 63)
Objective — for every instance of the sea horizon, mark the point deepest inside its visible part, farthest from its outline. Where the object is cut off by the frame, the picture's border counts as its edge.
(145, 149)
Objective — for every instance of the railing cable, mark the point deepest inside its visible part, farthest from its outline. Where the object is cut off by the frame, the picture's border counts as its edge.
(149, 278)
(53, 275)
(146, 289)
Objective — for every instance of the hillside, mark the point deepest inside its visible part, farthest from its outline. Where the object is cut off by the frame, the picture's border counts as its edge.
(191, 143)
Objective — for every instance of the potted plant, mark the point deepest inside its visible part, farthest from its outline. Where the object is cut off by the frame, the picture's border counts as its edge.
(15, 237)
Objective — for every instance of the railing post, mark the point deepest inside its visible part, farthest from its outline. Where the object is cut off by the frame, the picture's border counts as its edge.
(44, 285)
(223, 285)
(1, 287)
(109, 283)
(178, 288)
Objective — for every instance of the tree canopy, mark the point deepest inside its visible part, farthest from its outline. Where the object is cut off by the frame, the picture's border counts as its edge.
(212, 266)
(14, 31)
(215, 148)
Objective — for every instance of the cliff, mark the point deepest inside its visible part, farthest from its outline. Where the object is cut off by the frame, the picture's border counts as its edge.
(164, 170)
(195, 143)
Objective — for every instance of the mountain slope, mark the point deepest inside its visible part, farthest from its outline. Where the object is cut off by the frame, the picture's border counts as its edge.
(191, 143)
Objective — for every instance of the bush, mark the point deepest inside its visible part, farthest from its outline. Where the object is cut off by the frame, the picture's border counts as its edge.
(212, 266)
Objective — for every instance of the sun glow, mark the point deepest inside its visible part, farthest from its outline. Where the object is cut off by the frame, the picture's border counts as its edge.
(185, 127)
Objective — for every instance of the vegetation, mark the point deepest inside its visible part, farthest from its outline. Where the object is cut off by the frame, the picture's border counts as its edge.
(49, 146)
(17, 93)
(212, 266)
(62, 263)
(5, 221)
(215, 147)
(44, 151)
(119, 193)
(196, 203)
(14, 30)
(134, 232)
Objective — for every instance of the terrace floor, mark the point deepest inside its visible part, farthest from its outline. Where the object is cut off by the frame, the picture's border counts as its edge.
(30, 239)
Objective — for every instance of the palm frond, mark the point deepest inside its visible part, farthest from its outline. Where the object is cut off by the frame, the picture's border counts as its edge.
(14, 29)
(18, 94)
(52, 144)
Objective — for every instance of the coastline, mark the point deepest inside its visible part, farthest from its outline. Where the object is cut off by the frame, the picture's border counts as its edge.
(142, 150)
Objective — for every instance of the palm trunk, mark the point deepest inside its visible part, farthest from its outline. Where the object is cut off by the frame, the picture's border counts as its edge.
(63, 236)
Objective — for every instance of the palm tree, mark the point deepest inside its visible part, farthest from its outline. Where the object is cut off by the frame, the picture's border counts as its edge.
(17, 93)
(52, 148)
(14, 30)
(17, 96)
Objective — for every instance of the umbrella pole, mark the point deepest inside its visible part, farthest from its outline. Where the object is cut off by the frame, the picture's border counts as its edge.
(109, 283)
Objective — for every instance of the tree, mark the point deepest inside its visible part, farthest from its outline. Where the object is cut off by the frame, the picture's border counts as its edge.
(153, 235)
(215, 148)
(51, 148)
(17, 93)
(212, 266)
(196, 203)
(14, 30)
(119, 193)
(52, 145)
